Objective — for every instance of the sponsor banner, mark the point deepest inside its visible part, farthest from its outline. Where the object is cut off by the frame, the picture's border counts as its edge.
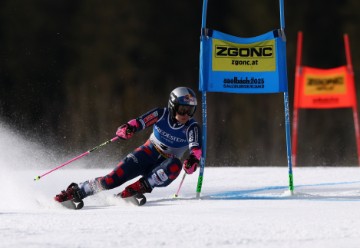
(254, 57)
(325, 88)
(243, 65)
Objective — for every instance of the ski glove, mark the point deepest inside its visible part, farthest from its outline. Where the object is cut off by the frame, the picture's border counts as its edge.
(190, 164)
(126, 131)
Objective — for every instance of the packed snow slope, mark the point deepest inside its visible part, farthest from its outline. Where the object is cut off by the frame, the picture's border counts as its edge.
(239, 207)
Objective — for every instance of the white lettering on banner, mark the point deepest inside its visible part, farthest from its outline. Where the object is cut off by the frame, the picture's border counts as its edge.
(161, 173)
(169, 136)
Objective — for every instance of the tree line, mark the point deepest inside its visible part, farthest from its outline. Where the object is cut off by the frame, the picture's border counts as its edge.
(73, 71)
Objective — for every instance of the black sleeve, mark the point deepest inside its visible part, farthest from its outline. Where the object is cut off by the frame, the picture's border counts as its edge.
(150, 117)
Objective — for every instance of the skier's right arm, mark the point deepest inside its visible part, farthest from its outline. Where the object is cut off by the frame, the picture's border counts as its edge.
(127, 130)
(150, 118)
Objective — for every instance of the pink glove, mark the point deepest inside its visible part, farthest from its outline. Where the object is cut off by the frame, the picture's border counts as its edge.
(126, 131)
(190, 164)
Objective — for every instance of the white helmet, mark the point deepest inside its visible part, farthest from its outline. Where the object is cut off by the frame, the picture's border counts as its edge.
(185, 97)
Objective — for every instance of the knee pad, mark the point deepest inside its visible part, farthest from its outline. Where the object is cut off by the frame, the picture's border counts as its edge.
(165, 173)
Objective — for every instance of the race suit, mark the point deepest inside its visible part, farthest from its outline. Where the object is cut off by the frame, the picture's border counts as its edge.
(158, 159)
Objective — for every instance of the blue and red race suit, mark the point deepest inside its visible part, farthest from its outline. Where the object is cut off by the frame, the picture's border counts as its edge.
(158, 159)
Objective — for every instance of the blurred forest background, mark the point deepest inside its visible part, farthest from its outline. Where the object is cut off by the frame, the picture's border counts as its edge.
(71, 72)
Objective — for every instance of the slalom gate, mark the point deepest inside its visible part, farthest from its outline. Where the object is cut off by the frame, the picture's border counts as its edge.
(324, 89)
(245, 66)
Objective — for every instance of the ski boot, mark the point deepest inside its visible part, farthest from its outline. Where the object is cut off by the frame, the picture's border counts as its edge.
(71, 197)
(139, 187)
(135, 192)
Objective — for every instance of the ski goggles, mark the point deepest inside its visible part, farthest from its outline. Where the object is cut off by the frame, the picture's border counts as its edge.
(185, 110)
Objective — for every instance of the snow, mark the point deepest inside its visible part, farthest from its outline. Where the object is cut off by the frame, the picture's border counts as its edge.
(240, 207)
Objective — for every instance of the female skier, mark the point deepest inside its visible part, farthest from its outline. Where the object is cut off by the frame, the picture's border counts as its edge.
(158, 159)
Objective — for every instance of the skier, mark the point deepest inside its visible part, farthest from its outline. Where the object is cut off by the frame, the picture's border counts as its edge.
(158, 159)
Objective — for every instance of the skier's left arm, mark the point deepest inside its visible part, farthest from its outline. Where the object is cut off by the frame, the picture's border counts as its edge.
(194, 138)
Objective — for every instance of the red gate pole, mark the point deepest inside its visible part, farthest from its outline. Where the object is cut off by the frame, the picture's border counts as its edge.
(296, 98)
(355, 110)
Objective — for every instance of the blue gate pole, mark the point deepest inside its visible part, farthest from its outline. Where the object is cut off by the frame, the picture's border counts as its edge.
(287, 110)
(204, 109)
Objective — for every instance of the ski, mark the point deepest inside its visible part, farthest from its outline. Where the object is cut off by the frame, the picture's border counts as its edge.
(72, 204)
(137, 200)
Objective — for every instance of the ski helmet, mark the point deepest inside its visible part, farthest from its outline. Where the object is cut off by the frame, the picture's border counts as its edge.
(183, 101)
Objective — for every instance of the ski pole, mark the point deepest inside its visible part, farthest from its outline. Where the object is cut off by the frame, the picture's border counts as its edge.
(76, 158)
(182, 180)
